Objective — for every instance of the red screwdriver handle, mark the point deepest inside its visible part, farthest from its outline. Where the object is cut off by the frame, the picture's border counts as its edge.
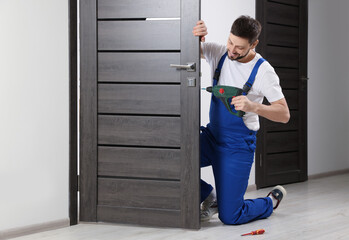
(257, 232)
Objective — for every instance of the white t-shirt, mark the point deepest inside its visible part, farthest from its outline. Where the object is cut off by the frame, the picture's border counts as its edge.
(234, 73)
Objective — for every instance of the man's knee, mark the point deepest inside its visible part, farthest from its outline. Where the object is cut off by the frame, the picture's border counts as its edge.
(231, 217)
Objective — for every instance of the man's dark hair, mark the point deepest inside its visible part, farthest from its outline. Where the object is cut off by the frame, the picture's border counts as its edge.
(246, 27)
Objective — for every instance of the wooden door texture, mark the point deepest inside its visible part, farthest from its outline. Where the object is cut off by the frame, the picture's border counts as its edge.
(281, 155)
(139, 118)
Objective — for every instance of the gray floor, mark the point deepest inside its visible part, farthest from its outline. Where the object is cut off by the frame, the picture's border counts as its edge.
(316, 209)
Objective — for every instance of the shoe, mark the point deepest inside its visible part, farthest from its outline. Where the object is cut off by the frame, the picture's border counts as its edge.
(206, 215)
(278, 193)
(209, 207)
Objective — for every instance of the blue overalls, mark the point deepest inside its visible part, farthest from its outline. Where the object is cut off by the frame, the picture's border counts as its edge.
(228, 145)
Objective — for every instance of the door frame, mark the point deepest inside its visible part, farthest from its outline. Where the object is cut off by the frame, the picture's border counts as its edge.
(73, 113)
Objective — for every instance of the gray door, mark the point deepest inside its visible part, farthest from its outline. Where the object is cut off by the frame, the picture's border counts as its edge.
(139, 116)
(281, 155)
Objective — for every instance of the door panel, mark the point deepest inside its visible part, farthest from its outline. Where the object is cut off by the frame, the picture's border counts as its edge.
(281, 155)
(282, 57)
(286, 36)
(282, 142)
(288, 77)
(292, 98)
(120, 67)
(281, 13)
(138, 99)
(289, 2)
(154, 163)
(138, 35)
(139, 193)
(291, 176)
(140, 118)
(139, 131)
(283, 162)
(138, 9)
(143, 216)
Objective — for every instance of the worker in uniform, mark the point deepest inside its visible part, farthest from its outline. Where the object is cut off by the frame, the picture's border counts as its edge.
(228, 142)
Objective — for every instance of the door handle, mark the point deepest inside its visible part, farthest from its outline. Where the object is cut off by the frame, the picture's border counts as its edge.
(190, 67)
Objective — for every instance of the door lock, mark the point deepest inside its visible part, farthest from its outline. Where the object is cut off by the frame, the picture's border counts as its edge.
(190, 67)
(191, 81)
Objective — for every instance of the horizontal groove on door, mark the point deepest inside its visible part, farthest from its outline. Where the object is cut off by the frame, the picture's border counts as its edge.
(286, 2)
(280, 24)
(282, 162)
(143, 216)
(282, 14)
(121, 19)
(138, 8)
(292, 68)
(142, 83)
(139, 130)
(139, 162)
(139, 35)
(279, 142)
(292, 99)
(139, 193)
(289, 78)
(140, 178)
(293, 123)
(285, 172)
(282, 57)
(283, 152)
(136, 67)
(280, 45)
(282, 35)
(139, 99)
(140, 51)
(135, 146)
(139, 114)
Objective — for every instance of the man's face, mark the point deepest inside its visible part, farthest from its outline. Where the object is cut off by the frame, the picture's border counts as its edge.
(238, 47)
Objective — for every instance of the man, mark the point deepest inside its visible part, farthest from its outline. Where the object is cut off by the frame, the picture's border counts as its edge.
(228, 142)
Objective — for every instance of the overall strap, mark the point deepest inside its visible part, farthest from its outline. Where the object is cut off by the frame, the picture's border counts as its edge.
(217, 73)
(252, 77)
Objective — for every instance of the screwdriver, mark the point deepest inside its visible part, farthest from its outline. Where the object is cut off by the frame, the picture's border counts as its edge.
(257, 232)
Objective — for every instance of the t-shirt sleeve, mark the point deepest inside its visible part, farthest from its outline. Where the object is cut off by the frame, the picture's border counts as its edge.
(212, 52)
(271, 88)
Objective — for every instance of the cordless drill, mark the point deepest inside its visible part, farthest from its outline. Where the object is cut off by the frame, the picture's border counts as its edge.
(225, 94)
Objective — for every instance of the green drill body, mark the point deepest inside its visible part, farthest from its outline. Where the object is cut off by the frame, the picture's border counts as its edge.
(225, 93)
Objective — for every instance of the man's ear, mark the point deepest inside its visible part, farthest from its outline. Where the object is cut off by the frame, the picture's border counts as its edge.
(254, 45)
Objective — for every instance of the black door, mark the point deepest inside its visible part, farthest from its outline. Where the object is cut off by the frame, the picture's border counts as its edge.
(139, 117)
(281, 155)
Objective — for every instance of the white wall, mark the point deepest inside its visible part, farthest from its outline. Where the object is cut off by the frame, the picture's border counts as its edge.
(328, 98)
(219, 16)
(34, 103)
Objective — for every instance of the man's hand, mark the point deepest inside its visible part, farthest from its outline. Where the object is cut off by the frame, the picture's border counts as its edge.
(277, 111)
(242, 103)
(200, 30)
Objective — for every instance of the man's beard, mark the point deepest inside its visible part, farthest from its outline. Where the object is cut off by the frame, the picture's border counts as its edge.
(241, 57)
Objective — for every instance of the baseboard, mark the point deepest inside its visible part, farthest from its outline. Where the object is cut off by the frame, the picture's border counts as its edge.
(328, 174)
(251, 188)
(35, 228)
